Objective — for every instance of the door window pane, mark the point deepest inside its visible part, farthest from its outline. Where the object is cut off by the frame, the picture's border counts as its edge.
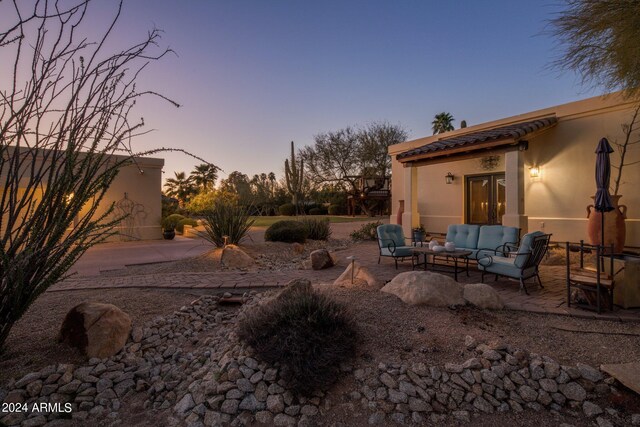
(500, 199)
(479, 201)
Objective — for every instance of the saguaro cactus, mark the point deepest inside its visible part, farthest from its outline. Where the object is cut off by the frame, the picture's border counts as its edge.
(294, 177)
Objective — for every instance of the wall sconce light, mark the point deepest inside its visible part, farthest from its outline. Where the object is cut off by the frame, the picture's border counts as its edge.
(534, 172)
(449, 178)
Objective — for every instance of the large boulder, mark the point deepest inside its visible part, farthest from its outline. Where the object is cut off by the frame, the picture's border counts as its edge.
(361, 276)
(483, 296)
(298, 284)
(425, 287)
(234, 257)
(321, 259)
(99, 330)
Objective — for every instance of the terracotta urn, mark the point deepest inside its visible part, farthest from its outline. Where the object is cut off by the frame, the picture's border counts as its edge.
(614, 226)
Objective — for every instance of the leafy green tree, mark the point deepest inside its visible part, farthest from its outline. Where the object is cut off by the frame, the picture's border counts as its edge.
(601, 42)
(442, 122)
(65, 104)
(204, 201)
(204, 176)
(263, 187)
(180, 187)
(238, 183)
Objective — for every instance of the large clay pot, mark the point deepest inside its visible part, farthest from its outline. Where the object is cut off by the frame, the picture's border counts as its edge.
(614, 227)
(169, 234)
(400, 212)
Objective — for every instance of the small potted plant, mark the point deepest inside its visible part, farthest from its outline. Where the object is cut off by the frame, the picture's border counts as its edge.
(169, 226)
(418, 234)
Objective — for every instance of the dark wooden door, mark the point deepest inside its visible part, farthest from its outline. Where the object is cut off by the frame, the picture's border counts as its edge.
(485, 199)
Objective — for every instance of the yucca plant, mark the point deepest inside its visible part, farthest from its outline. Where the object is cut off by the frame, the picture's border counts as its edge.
(229, 219)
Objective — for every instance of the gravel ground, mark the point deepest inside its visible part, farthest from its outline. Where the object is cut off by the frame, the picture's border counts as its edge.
(33, 344)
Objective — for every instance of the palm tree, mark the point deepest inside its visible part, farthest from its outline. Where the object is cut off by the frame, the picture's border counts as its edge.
(204, 176)
(442, 122)
(179, 187)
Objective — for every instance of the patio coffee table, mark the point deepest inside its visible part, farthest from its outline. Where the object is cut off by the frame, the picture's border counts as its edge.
(445, 266)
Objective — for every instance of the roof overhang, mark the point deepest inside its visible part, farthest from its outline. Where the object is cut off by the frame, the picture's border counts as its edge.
(487, 139)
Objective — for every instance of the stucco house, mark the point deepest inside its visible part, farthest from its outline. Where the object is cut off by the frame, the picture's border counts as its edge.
(135, 193)
(534, 171)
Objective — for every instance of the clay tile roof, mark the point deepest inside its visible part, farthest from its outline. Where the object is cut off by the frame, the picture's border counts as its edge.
(510, 132)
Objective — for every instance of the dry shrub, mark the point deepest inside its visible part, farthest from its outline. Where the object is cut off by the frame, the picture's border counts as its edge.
(306, 332)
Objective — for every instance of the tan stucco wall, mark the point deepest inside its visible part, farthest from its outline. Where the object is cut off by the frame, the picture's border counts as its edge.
(142, 200)
(556, 202)
(439, 203)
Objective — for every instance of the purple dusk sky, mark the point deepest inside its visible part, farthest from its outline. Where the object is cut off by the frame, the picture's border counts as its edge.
(254, 75)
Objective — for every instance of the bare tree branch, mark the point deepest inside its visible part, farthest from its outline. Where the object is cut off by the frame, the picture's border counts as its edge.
(64, 117)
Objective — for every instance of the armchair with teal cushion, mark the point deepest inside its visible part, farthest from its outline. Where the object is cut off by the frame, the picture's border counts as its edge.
(525, 263)
(497, 240)
(392, 243)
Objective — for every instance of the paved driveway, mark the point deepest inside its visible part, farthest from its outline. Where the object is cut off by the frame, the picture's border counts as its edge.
(117, 255)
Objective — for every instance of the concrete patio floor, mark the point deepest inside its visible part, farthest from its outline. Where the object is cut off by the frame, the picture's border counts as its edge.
(551, 299)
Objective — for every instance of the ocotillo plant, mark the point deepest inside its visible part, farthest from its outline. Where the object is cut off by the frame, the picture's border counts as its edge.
(294, 176)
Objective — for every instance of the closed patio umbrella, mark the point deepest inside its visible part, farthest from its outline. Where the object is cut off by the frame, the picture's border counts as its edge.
(602, 201)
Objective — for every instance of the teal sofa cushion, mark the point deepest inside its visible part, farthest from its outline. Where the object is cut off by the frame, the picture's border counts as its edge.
(494, 236)
(464, 236)
(503, 266)
(400, 251)
(525, 247)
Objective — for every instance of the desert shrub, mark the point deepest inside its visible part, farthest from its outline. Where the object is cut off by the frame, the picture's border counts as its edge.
(317, 229)
(304, 331)
(286, 231)
(187, 221)
(287, 209)
(171, 222)
(315, 211)
(226, 218)
(366, 231)
(336, 210)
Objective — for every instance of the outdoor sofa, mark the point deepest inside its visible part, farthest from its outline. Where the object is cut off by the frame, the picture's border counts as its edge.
(484, 239)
